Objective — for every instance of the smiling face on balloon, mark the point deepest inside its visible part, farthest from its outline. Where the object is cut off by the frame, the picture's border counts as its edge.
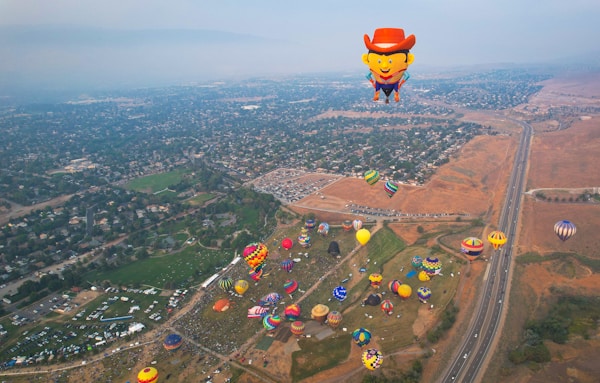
(386, 64)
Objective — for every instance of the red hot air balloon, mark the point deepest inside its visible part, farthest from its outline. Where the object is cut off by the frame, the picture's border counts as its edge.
(287, 243)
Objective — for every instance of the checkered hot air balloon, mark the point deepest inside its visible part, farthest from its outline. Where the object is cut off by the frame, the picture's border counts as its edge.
(432, 266)
(372, 358)
(255, 255)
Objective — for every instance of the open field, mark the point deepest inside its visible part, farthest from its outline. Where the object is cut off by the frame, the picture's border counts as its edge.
(561, 159)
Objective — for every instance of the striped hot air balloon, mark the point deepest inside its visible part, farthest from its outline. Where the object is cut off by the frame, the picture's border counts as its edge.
(387, 307)
(390, 188)
(371, 176)
(564, 229)
(290, 285)
(226, 284)
(357, 224)
(287, 265)
(292, 312)
(347, 225)
(334, 318)
(297, 328)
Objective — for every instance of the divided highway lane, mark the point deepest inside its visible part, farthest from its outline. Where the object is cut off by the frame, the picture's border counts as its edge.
(485, 325)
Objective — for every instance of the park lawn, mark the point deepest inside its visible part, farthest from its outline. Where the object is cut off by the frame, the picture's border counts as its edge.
(157, 182)
(200, 199)
(190, 264)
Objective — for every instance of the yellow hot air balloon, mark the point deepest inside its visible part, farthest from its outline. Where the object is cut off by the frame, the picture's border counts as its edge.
(241, 286)
(497, 239)
(404, 291)
(148, 375)
(423, 276)
(363, 236)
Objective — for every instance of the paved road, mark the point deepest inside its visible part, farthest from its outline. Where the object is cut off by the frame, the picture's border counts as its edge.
(486, 324)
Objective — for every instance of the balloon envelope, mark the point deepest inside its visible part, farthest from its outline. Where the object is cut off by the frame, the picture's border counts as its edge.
(404, 291)
(255, 255)
(432, 266)
(347, 225)
(371, 176)
(323, 228)
(148, 375)
(372, 300)
(297, 328)
(290, 285)
(340, 293)
(472, 247)
(287, 243)
(424, 293)
(226, 283)
(390, 188)
(416, 262)
(372, 358)
(564, 229)
(287, 265)
(363, 236)
(334, 318)
(222, 305)
(172, 342)
(241, 286)
(387, 306)
(361, 336)
(319, 312)
(375, 280)
(497, 239)
(357, 224)
(292, 312)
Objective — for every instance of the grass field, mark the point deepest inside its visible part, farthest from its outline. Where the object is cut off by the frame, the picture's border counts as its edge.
(190, 265)
(156, 182)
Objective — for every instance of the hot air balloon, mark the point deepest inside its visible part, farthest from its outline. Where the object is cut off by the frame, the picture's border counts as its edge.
(431, 266)
(292, 312)
(319, 312)
(472, 247)
(310, 223)
(390, 188)
(497, 239)
(363, 236)
(423, 276)
(255, 275)
(340, 293)
(388, 59)
(424, 293)
(226, 283)
(270, 299)
(222, 305)
(304, 238)
(257, 312)
(287, 265)
(297, 328)
(361, 336)
(387, 307)
(347, 225)
(172, 342)
(333, 249)
(323, 229)
(371, 176)
(255, 255)
(334, 318)
(416, 262)
(287, 243)
(271, 322)
(290, 285)
(564, 229)
(372, 358)
(372, 300)
(394, 285)
(375, 280)
(148, 375)
(241, 286)
(357, 224)
(404, 291)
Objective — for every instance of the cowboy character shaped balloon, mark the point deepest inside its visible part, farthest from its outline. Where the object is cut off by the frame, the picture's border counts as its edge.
(388, 58)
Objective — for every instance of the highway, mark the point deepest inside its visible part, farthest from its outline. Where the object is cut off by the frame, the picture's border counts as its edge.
(484, 326)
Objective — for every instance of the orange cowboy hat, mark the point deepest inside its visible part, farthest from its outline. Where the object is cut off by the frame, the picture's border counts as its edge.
(388, 40)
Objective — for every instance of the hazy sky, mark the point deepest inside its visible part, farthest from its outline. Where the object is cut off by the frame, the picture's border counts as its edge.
(151, 41)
